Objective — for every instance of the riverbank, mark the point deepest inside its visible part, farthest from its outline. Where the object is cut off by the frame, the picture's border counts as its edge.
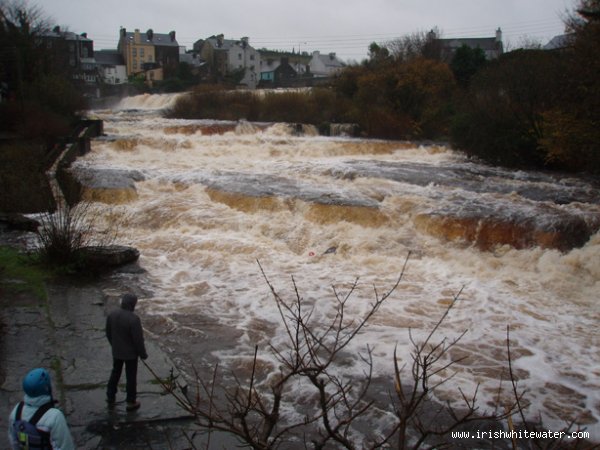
(65, 333)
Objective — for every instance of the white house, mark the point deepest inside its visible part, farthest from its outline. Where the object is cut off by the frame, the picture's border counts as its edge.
(226, 56)
(324, 65)
(111, 66)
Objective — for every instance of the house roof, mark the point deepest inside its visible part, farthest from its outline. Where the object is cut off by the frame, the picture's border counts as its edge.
(558, 42)
(109, 58)
(159, 39)
(330, 60)
(67, 35)
(225, 44)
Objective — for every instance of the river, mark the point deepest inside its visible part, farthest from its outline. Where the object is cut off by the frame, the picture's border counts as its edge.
(204, 200)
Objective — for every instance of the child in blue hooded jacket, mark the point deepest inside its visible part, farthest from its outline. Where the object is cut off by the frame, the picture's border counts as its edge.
(51, 427)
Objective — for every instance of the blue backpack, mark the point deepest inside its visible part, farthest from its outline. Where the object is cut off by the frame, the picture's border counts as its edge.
(27, 435)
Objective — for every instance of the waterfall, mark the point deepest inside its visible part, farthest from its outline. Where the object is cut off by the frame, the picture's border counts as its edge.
(213, 197)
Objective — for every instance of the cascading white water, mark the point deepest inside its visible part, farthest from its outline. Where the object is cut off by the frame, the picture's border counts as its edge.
(213, 198)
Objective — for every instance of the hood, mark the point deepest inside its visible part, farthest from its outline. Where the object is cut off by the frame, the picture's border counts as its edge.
(37, 401)
(128, 302)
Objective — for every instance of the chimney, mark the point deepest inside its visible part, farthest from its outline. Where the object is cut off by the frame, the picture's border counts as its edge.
(149, 34)
(56, 29)
(84, 35)
(123, 32)
(245, 42)
(498, 35)
(332, 56)
(136, 36)
(220, 38)
(172, 36)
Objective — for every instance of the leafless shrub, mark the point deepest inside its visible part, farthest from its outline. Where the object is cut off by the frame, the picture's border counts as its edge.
(69, 228)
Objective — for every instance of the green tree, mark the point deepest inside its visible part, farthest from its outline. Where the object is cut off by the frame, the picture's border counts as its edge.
(466, 62)
(572, 138)
(501, 119)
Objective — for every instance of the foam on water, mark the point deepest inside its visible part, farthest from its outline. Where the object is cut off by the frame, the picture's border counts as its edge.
(200, 250)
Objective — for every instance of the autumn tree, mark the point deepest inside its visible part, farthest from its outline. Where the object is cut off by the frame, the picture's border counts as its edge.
(396, 99)
(501, 119)
(572, 137)
(421, 44)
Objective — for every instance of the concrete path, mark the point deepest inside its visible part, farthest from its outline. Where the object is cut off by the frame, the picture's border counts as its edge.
(65, 334)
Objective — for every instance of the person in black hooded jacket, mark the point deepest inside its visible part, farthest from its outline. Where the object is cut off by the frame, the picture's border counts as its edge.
(126, 336)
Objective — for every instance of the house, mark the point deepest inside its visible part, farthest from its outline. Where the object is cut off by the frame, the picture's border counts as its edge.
(193, 60)
(491, 46)
(560, 42)
(230, 58)
(277, 73)
(71, 52)
(281, 68)
(324, 65)
(154, 54)
(111, 66)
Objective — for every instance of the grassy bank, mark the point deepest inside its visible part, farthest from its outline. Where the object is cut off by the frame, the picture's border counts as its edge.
(22, 274)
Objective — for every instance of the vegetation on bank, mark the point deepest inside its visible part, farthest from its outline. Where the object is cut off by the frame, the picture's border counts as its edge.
(530, 108)
(39, 104)
(22, 273)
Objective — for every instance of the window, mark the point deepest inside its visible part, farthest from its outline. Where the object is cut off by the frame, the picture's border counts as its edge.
(142, 52)
(239, 56)
(134, 51)
(252, 57)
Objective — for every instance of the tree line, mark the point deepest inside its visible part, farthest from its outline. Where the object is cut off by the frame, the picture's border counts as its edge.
(528, 108)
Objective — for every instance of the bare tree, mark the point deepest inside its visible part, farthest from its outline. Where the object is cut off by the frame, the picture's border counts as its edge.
(63, 233)
(421, 44)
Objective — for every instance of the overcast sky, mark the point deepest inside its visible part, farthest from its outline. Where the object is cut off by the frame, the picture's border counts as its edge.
(346, 27)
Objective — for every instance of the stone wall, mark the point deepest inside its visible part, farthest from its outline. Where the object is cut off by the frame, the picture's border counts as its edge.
(24, 184)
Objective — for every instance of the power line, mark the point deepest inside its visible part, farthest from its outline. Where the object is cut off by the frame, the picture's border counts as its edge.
(356, 45)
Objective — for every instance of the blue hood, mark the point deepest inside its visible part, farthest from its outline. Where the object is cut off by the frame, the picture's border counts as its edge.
(37, 401)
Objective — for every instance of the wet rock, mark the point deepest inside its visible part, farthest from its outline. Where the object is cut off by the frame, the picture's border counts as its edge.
(108, 186)
(97, 257)
(486, 232)
(18, 222)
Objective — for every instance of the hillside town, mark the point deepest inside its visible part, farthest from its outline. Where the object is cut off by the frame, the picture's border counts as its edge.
(150, 57)
(153, 57)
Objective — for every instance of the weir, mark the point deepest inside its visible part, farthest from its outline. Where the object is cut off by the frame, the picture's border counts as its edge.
(523, 246)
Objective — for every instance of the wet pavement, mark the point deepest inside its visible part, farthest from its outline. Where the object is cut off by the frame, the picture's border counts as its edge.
(65, 334)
